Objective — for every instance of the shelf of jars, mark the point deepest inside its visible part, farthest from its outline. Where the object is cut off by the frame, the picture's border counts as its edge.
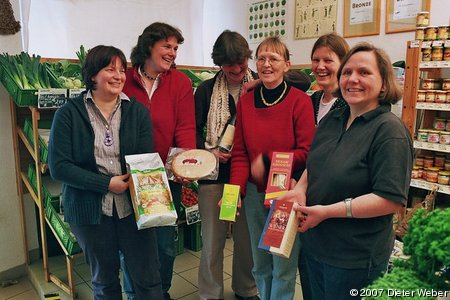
(422, 184)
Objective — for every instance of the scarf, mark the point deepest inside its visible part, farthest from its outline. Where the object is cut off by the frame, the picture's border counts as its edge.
(219, 111)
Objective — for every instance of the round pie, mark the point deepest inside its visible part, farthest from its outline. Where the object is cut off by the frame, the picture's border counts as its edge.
(193, 164)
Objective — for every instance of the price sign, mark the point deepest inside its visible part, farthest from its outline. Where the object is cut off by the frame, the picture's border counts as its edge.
(51, 98)
(426, 44)
(437, 43)
(447, 43)
(75, 92)
(414, 44)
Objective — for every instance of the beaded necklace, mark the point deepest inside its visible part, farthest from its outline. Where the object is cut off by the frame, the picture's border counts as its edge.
(276, 101)
(148, 76)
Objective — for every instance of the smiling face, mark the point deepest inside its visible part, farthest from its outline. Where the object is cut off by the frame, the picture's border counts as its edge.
(235, 73)
(163, 55)
(325, 64)
(110, 80)
(361, 82)
(271, 67)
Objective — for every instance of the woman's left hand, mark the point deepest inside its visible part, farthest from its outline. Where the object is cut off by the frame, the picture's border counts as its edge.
(311, 216)
(119, 184)
(258, 170)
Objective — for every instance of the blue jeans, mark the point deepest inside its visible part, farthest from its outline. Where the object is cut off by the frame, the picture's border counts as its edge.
(332, 283)
(101, 245)
(165, 238)
(274, 275)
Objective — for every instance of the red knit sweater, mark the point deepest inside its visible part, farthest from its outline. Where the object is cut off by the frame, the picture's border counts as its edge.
(287, 126)
(172, 109)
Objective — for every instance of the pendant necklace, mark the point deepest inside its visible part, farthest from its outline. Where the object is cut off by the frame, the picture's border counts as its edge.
(148, 76)
(108, 140)
(276, 101)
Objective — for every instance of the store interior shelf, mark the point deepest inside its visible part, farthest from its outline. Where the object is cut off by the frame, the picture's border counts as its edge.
(27, 144)
(422, 184)
(434, 64)
(30, 189)
(433, 106)
(432, 146)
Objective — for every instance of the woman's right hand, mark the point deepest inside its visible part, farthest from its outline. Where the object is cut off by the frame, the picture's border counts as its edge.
(221, 156)
(119, 184)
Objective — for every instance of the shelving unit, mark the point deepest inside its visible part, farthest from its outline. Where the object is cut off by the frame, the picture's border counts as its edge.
(26, 153)
(418, 115)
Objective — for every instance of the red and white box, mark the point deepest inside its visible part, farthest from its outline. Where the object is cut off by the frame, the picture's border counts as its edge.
(279, 176)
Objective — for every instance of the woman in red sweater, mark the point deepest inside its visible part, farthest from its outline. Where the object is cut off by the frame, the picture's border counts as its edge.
(272, 117)
(167, 94)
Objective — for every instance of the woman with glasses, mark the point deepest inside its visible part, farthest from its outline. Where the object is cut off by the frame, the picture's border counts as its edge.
(272, 117)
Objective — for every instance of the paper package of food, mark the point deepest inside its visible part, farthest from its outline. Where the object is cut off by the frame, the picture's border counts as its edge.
(150, 192)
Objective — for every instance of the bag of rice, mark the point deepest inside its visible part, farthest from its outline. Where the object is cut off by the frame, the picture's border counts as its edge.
(150, 191)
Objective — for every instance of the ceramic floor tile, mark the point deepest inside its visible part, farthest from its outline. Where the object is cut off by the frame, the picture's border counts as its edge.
(229, 244)
(23, 285)
(28, 295)
(181, 287)
(193, 296)
(185, 261)
(228, 265)
(191, 276)
(195, 253)
(83, 271)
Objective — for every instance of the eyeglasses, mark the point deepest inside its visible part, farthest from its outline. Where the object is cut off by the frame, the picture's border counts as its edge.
(261, 60)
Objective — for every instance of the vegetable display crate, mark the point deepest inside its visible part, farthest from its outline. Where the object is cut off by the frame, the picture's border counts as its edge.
(179, 239)
(193, 237)
(21, 97)
(62, 230)
(198, 76)
(51, 190)
(44, 131)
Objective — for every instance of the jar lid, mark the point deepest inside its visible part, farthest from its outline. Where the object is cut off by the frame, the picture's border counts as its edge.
(423, 130)
(416, 168)
(433, 131)
(436, 169)
(445, 173)
(423, 12)
(430, 79)
(429, 157)
(441, 92)
(446, 133)
(432, 27)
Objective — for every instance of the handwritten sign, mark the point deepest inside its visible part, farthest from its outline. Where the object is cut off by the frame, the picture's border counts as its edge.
(51, 98)
(75, 92)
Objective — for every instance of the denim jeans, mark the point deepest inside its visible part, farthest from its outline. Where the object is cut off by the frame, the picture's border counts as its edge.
(274, 275)
(331, 283)
(101, 245)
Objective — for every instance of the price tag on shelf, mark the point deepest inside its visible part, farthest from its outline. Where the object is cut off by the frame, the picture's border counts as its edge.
(75, 92)
(51, 98)
(414, 44)
(447, 43)
(426, 44)
(438, 43)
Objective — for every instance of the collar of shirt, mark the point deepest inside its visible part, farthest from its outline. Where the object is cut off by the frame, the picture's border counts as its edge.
(155, 84)
(121, 97)
(370, 115)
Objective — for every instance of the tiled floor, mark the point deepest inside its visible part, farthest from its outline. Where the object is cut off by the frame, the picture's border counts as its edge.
(184, 283)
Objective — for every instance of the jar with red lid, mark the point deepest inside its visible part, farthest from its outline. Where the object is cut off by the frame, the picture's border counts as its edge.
(443, 177)
(439, 124)
(439, 161)
(447, 165)
(428, 161)
(433, 136)
(441, 96)
(446, 84)
(419, 161)
(444, 137)
(432, 174)
(421, 95)
(429, 84)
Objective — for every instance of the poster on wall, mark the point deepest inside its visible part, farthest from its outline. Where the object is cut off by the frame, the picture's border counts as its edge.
(314, 18)
(361, 17)
(266, 18)
(401, 14)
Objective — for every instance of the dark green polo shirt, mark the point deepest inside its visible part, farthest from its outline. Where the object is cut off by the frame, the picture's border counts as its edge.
(374, 155)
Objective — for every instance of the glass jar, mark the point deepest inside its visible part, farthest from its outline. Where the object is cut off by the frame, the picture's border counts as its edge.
(442, 33)
(419, 161)
(444, 137)
(422, 135)
(447, 53)
(423, 19)
(437, 53)
(430, 33)
(439, 124)
(441, 96)
(421, 95)
(420, 33)
(432, 174)
(420, 173)
(447, 125)
(430, 96)
(428, 84)
(415, 172)
(447, 165)
(443, 177)
(424, 173)
(439, 161)
(448, 97)
(428, 161)
(446, 84)
(433, 136)
(426, 54)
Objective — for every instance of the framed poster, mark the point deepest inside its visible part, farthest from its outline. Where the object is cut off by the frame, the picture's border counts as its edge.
(401, 14)
(266, 18)
(361, 17)
(314, 18)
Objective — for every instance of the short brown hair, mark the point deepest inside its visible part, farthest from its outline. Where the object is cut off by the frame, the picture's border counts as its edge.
(96, 59)
(334, 42)
(230, 48)
(274, 43)
(153, 33)
(391, 92)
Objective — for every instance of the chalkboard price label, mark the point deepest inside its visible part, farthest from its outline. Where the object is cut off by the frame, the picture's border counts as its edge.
(51, 98)
(75, 92)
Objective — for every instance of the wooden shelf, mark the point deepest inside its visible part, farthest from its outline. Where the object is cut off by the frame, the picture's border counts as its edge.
(434, 64)
(432, 146)
(425, 185)
(433, 106)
